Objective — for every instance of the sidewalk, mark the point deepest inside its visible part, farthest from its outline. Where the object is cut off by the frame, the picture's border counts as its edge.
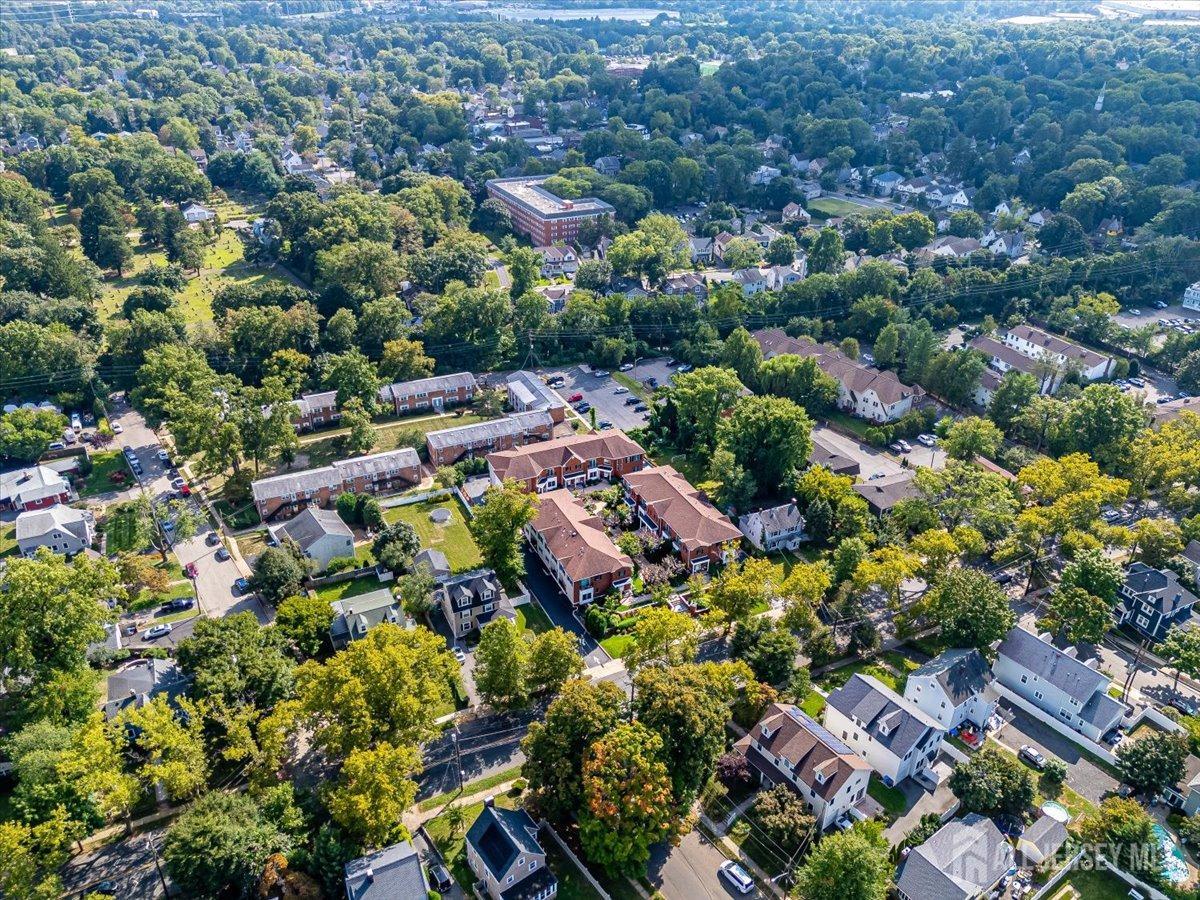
(414, 817)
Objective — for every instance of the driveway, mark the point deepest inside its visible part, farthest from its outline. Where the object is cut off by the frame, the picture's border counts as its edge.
(691, 870)
(545, 590)
(1084, 776)
(128, 864)
(920, 803)
(870, 460)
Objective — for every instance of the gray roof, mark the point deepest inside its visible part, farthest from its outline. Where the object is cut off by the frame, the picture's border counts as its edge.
(533, 391)
(393, 873)
(140, 682)
(878, 707)
(309, 403)
(366, 611)
(884, 493)
(378, 463)
(777, 518)
(1161, 588)
(333, 475)
(311, 525)
(962, 673)
(1192, 552)
(499, 836)
(432, 561)
(1050, 664)
(963, 859)
(447, 383)
(509, 426)
(1102, 710)
(1047, 834)
(35, 523)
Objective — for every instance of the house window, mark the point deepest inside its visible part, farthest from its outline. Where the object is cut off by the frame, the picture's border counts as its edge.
(509, 880)
(1037, 695)
(1024, 679)
(532, 865)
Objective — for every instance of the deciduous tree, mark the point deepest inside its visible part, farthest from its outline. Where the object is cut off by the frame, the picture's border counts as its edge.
(992, 782)
(848, 865)
(497, 526)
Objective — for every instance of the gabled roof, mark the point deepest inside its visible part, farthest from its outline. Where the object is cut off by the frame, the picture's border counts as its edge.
(35, 523)
(142, 681)
(310, 526)
(576, 537)
(393, 873)
(30, 484)
(884, 493)
(1160, 588)
(962, 673)
(786, 732)
(533, 459)
(508, 426)
(499, 836)
(963, 859)
(776, 518)
(355, 615)
(532, 391)
(854, 376)
(446, 383)
(1043, 659)
(1055, 344)
(880, 710)
(695, 522)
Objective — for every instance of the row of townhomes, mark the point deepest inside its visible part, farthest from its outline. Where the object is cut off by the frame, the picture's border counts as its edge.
(1047, 357)
(863, 390)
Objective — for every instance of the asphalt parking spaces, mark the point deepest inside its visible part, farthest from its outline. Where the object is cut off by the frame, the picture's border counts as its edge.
(606, 395)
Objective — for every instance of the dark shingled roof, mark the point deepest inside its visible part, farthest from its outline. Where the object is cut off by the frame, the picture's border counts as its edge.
(499, 836)
(865, 700)
(962, 673)
(393, 873)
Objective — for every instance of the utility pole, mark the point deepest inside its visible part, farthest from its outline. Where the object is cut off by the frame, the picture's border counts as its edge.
(158, 868)
(457, 758)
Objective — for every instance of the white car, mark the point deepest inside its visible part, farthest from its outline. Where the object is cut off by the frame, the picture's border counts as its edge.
(926, 440)
(601, 373)
(158, 631)
(621, 390)
(737, 876)
(460, 655)
(117, 427)
(627, 367)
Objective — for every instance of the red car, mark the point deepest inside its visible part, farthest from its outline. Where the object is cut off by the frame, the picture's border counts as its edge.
(575, 398)
(190, 570)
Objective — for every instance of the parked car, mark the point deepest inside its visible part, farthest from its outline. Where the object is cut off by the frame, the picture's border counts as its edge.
(737, 876)
(605, 424)
(583, 407)
(212, 539)
(1185, 705)
(1135, 312)
(1033, 756)
(460, 655)
(575, 398)
(180, 603)
(626, 367)
(190, 570)
(621, 390)
(1159, 304)
(117, 427)
(684, 369)
(926, 440)
(163, 456)
(641, 407)
(632, 400)
(905, 446)
(439, 877)
(652, 381)
(602, 373)
(895, 447)
(242, 585)
(157, 631)
(222, 554)
(76, 423)
(57, 445)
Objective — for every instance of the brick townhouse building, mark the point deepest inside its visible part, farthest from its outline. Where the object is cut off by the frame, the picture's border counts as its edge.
(287, 494)
(672, 510)
(576, 550)
(436, 393)
(546, 218)
(449, 445)
(571, 461)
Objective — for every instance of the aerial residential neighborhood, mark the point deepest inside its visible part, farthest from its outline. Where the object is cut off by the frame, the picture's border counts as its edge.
(530, 450)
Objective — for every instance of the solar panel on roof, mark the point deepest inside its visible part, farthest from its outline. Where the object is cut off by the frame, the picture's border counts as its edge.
(819, 731)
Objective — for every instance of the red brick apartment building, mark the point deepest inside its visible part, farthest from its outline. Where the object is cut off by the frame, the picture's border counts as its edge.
(449, 445)
(436, 393)
(571, 461)
(671, 509)
(315, 411)
(285, 495)
(535, 211)
(577, 552)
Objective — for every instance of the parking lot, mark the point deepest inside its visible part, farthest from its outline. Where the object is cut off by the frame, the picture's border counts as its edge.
(870, 460)
(608, 396)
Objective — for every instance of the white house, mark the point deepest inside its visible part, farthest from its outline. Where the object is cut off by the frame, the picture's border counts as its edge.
(964, 859)
(60, 528)
(753, 281)
(788, 747)
(1191, 296)
(777, 528)
(557, 260)
(320, 533)
(194, 213)
(1072, 692)
(889, 732)
(764, 175)
(953, 688)
(1037, 344)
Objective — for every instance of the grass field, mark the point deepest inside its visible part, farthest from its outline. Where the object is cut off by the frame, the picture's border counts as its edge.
(890, 798)
(251, 545)
(8, 538)
(354, 588)
(532, 618)
(813, 704)
(451, 841)
(103, 465)
(121, 529)
(616, 645)
(709, 66)
(325, 448)
(453, 539)
(1092, 884)
(831, 207)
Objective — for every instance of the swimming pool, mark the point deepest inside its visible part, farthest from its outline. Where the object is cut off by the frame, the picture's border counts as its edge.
(1056, 811)
(1174, 869)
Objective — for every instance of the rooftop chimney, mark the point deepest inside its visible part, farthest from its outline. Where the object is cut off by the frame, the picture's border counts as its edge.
(1044, 636)
(1071, 652)
(369, 875)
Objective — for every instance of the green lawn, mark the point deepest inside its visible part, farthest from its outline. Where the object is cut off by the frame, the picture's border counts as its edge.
(103, 466)
(1092, 884)
(890, 798)
(531, 617)
(353, 588)
(813, 704)
(453, 539)
(121, 529)
(326, 447)
(615, 645)
(635, 386)
(237, 517)
(876, 668)
(252, 544)
(831, 207)
(1075, 803)
(473, 787)
(572, 884)
(451, 841)
(852, 424)
(8, 538)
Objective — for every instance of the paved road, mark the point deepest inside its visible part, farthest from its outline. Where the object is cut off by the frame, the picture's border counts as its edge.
(486, 745)
(690, 870)
(128, 864)
(546, 592)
